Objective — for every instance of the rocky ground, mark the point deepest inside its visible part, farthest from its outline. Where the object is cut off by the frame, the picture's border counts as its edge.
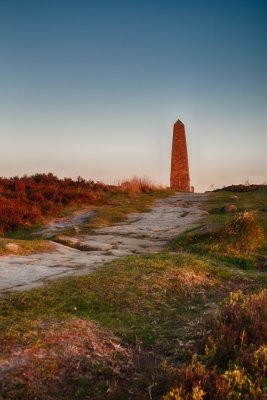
(78, 255)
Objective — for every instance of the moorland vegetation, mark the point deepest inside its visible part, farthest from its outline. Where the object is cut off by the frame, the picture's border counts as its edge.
(27, 200)
(186, 324)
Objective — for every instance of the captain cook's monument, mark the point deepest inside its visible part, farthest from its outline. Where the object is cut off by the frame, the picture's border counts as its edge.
(180, 180)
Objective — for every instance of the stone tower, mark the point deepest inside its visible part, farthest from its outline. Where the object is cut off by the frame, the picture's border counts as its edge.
(180, 180)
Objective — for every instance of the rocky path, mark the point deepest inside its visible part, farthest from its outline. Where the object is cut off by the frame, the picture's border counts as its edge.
(60, 224)
(141, 233)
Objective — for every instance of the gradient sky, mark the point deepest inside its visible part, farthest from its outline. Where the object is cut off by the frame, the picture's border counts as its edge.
(92, 88)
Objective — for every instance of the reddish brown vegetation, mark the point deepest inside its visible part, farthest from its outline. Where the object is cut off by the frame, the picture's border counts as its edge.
(26, 200)
(75, 359)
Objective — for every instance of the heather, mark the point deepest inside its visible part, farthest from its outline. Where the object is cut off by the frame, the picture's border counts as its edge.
(27, 200)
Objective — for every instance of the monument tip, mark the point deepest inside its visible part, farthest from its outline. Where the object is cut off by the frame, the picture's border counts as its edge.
(178, 122)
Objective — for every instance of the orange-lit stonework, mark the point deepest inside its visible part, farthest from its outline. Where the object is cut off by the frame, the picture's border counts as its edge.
(180, 179)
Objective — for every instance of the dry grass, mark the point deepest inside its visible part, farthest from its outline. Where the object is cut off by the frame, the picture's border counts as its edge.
(185, 282)
(242, 236)
(139, 185)
(23, 247)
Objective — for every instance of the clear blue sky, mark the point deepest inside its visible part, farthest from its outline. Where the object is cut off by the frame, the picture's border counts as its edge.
(92, 88)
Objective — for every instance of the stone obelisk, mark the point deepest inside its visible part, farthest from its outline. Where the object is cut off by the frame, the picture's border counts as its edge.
(180, 180)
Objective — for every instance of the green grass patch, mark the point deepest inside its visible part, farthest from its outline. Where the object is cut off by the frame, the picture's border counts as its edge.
(145, 297)
(247, 201)
(237, 239)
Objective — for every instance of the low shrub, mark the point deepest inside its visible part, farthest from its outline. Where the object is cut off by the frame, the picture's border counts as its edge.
(234, 365)
(241, 236)
(27, 200)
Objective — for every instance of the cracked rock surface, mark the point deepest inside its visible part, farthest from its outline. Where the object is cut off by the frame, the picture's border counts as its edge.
(80, 254)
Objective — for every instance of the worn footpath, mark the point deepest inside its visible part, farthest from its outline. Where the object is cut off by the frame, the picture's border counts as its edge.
(77, 255)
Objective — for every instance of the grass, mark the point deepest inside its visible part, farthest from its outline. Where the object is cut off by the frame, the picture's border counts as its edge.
(23, 247)
(245, 201)
(127, 295)
(150, 301)
(233, 365)
(127, 328)
(237, 239)
(242, 236)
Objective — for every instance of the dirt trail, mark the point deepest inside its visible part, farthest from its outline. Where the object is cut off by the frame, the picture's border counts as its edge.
(80, 254)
